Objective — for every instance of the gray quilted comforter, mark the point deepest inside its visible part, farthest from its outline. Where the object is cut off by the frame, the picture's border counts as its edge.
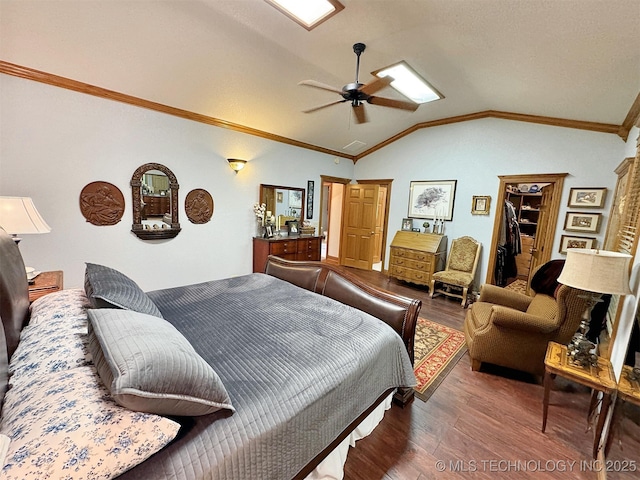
(299, 368)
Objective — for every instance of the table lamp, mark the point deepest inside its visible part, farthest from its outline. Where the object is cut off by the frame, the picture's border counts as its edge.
(598, 272)
(18, 215)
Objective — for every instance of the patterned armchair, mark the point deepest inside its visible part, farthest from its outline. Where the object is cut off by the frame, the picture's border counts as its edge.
(460, 270)
(512, 330)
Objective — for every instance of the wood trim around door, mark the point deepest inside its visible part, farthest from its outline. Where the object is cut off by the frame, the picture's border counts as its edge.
(383, 183)
(558, 180)
(329, 179)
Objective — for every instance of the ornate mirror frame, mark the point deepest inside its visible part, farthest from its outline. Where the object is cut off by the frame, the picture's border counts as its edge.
(136, 189)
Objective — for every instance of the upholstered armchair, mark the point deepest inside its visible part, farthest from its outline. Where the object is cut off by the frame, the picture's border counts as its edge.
(457, 277)
(512, 330)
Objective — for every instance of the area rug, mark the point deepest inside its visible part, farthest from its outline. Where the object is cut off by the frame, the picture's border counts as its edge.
(437, 350)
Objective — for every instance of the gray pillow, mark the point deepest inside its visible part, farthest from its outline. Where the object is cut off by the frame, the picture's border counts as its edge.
(148, 366)
(109, 288)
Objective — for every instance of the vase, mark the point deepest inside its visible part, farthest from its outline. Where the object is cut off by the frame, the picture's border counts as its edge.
(259, 230)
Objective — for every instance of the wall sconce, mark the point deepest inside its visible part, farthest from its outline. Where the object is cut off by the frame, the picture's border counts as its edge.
(236, 164)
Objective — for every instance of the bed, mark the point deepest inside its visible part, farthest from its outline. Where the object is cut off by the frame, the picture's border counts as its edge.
(282, 371)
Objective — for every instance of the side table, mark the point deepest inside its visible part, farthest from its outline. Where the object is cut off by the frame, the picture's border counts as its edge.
(599, 378)
(628, 391)
(45, 283)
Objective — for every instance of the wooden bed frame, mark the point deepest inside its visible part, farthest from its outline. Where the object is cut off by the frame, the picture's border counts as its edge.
(399, 312)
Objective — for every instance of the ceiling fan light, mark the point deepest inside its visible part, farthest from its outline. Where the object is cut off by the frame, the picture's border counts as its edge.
(409, 83)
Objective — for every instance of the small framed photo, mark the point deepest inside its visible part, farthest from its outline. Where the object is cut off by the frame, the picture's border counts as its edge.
(407, 224)
(415, 230)
(480, 205)
(587, 197)
(569, 241)
(268, 230)
(582, 222)
(279, 197)
(432, 199)
(293, 227)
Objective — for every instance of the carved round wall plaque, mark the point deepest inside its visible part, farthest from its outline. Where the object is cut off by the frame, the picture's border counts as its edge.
(199, 206)
(102, 203)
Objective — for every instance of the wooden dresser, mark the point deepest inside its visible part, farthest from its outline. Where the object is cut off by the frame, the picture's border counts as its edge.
(416, 256)
(156, 205)
(290, 248)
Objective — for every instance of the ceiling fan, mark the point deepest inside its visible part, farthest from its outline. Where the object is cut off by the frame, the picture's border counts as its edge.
(357, 93)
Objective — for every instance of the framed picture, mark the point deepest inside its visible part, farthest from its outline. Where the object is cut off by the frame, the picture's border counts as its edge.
(309, 199)
(279, 197)
(587, 197)
(268, 230)
(293, 227)
(582, 222)
(480, 205)
(432, 199)
(295, 199)
(569, 241)
(407, 224)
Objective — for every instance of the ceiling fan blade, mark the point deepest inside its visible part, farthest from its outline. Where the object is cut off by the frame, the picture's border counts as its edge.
(389, 102)
(376, 84)
(314, 109)
(360, 114)
(321, 86)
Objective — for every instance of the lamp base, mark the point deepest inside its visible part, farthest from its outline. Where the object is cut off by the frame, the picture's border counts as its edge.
(580, 349)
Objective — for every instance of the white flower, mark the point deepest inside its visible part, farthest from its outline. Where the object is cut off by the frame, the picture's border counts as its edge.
(259, 210)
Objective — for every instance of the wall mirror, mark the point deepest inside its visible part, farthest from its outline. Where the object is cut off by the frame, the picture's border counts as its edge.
(284, 203)
(155, 202)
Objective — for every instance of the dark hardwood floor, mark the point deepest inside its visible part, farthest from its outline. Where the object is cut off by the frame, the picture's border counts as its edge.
(486, 425)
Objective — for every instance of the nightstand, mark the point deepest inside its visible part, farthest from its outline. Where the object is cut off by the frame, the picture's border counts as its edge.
(599, 378)
(45, 283)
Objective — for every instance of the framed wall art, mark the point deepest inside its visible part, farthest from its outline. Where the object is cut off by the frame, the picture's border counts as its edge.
(295, 199)
(432, 199)
(569, 241)
(582, 222)
(587, 197)
(309, 199)
(480, 205)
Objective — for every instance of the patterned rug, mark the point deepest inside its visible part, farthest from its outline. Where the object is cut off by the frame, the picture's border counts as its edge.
(437, 350)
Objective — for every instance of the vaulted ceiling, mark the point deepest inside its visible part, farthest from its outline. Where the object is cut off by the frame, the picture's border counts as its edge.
(240, 61)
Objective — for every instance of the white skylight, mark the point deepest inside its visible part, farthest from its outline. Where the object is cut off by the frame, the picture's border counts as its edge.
(307, 13)
(409, 83)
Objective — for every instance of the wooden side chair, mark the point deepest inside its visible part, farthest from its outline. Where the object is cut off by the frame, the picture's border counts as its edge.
(460, 270)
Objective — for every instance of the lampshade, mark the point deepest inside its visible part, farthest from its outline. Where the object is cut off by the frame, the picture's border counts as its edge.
(236, 164)
(596, 271)
(18, 215)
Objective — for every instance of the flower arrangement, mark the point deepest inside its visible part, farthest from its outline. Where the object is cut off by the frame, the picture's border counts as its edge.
(259, 209)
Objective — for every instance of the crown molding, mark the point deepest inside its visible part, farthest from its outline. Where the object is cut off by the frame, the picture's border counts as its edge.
(27, 73)
(81, 87)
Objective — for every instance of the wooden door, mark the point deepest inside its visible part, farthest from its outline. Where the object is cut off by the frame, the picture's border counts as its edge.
(358, 226)
(544, 243)
(379, 229)
(542, 240)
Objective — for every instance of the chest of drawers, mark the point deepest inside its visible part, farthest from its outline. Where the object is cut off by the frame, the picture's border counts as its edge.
(416, 256)
(289, 248)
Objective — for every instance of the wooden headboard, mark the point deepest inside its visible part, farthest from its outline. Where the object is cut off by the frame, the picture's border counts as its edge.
(14, 303)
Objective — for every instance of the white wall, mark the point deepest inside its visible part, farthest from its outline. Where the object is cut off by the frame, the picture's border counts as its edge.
(474, 153)
(53, 142)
